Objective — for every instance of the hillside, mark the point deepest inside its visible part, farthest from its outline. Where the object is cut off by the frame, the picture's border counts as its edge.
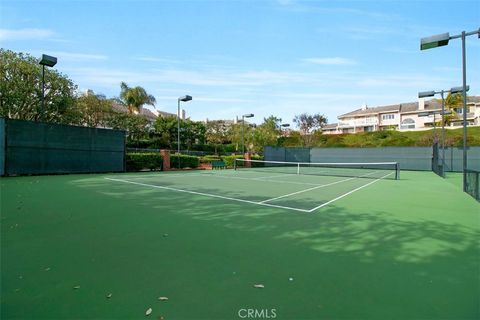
(453, 137)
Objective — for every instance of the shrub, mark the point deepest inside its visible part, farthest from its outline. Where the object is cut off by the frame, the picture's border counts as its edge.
(142, 161)
(229, 160)
(208, 158)
(185, 161)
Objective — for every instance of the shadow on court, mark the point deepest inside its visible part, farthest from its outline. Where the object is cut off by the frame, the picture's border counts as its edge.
(350, 260)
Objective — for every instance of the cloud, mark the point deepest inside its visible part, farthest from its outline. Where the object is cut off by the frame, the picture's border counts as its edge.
(79, 56)
(156, 59)
(335, 61)
(26, 34)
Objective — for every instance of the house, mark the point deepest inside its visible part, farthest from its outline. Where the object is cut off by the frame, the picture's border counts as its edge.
(409, 116)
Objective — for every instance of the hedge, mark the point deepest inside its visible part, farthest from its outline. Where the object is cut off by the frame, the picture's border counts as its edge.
(185, 161)
(141, 161)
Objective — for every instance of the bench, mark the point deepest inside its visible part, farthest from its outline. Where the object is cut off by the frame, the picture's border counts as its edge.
(218, 164)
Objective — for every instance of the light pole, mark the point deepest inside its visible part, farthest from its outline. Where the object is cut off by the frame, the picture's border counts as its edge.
(48, 61)
(440, 40)
(426, 94)
(250, 115)
(283, 125)
(183, 99)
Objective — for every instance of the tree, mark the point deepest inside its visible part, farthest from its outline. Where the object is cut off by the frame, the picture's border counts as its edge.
(94, 112)
(135, 125)
(309, 124)
(453, 102)
(267, 133)
(217, 132)
(166, 131)
(21, 91)
(135, 98)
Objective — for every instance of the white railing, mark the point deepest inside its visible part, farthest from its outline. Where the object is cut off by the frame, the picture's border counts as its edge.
(358, 122)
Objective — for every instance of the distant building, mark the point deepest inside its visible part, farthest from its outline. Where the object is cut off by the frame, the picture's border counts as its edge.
(403, 117)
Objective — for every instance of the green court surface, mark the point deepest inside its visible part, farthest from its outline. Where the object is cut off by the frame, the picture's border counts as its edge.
(323, 247)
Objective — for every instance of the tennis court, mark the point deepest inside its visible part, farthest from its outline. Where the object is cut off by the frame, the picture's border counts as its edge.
(214, 243)
(273, 184)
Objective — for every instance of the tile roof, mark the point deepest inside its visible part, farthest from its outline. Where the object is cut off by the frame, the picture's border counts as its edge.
(433, 104)
(330, 126)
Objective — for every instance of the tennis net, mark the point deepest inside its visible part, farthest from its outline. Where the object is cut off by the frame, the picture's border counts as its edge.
(371, 170)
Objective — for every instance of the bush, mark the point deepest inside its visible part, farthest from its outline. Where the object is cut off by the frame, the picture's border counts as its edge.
(142, 161)
(208, 159)
(185, 161)
(229, 160)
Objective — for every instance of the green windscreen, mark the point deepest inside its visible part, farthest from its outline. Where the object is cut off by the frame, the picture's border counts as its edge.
(43, 148)
(2, 146)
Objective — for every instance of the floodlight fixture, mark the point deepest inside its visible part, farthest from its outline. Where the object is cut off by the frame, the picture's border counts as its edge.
(48, 61)
(185, 98)
(250, 115)
(458, 89)
(438, 40)
(426, 94)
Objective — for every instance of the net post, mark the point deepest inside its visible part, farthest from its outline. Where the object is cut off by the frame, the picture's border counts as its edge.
(298, 167)
(234, 163)
(397, 171)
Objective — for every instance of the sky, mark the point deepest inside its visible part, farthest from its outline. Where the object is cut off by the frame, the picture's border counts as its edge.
(266, 57)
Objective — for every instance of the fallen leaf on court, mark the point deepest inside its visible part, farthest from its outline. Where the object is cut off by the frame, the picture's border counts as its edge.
(149, 312)
(76, 287)
(163, 298)
(109, 296)
(260, 286)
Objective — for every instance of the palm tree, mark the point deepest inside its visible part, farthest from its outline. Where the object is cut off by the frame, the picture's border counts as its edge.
(135, 98)
(452, 102)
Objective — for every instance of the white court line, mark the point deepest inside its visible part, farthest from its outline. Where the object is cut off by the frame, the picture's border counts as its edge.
(317, 187)
(350, 192)
(150, 175)
(266, 179)
(205, 194)
(309, 189)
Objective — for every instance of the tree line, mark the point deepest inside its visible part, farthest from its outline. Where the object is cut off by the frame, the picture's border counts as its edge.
(21, 98)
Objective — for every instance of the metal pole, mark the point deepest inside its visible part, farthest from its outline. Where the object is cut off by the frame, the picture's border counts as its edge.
(43, 92)
(178, 133)
(464, 113)
(443, 133)
(434, 127)
(243, 139)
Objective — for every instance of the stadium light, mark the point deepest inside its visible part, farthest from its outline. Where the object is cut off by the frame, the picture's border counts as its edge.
(183, 99)
(442, 40)
(249, 115)
(48, 61)
(426, 94)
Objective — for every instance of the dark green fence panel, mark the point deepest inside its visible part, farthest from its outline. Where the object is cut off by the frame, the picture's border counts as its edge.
(409, 158)
(42, 148)
(454, 159)
(274, 153)
(297, 154)
(2, 146)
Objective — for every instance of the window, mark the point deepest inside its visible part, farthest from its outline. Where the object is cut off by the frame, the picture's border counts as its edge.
(368, 129)
(389, 116)
(407, 124)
